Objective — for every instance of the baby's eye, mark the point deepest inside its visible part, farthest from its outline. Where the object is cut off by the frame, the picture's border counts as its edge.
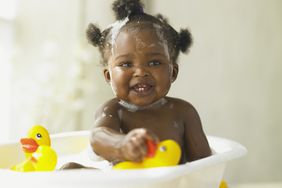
(125, 64)
(154, 63)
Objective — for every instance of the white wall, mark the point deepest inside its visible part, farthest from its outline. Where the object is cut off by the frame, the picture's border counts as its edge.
(7, 15)
(6, 39)
(233, 76)
(47, 65)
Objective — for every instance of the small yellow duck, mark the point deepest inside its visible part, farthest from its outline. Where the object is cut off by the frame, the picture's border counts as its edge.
(167, 153)
(38, 153)
(223, 184)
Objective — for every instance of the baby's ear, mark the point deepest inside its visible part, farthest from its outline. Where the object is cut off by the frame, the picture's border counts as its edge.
(107, 75)
(174, 72)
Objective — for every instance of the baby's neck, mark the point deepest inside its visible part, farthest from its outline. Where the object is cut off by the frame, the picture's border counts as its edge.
(133, 107)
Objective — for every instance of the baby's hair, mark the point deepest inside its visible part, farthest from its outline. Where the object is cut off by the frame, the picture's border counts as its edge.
(129, 13)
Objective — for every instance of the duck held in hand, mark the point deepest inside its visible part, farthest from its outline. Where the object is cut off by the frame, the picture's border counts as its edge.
(166, 153)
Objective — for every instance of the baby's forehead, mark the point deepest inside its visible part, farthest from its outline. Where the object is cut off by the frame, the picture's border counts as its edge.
(138, 36)
(141, 39)
(139, 27)
(147, 33)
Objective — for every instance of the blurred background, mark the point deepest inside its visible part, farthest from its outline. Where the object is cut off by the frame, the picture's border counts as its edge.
(50, 75)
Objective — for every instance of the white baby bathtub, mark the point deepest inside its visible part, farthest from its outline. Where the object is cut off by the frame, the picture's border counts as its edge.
(74, 146)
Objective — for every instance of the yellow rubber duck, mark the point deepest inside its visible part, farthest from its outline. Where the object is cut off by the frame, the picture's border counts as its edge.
(223, 184)
(38, 153)
(167, 153)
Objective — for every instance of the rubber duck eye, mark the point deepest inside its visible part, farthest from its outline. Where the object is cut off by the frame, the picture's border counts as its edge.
(39, 135)
(163, 148)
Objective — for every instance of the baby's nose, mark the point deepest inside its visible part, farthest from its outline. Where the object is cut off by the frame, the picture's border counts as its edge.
(141, 71)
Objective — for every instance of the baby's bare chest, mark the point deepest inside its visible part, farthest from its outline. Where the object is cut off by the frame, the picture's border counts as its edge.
(165, 124)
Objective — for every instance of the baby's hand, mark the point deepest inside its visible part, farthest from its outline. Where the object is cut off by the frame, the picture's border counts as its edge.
(134, 146)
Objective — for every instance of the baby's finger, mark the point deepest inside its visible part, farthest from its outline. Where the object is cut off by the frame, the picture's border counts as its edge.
(138, 158)
(151, 136)
(140, 146)
(135, 155)
(130, 154)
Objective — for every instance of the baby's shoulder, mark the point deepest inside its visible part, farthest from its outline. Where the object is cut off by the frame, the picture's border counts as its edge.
(180, 105)
(179, 102)
(109, 107)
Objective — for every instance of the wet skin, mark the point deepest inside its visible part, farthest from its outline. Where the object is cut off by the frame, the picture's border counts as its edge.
(140, 73)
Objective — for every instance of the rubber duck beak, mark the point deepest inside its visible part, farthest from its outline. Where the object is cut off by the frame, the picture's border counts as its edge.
(29, 145)
(151, 148)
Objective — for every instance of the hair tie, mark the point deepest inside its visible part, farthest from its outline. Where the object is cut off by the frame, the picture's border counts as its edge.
(141, 10)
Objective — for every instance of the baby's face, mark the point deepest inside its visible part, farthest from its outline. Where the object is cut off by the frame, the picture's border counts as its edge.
(139, 70)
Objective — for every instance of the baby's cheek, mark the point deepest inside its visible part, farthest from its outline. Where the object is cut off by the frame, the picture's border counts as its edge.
(114, 88)
(116, 80)
(120, 89)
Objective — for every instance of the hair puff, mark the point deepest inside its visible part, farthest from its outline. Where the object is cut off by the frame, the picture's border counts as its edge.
(162, 18)
(185, 40)
(93, 34)
(124, 8)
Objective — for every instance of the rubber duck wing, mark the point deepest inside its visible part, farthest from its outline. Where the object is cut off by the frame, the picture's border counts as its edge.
(45, 158)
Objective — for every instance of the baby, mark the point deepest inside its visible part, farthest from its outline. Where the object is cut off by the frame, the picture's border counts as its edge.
(139, 55)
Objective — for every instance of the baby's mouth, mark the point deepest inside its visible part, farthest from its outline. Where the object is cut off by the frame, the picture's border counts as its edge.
(142, 88)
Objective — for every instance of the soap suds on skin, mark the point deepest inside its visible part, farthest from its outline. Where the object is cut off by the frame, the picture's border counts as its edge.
(133, 108)
(115, 29)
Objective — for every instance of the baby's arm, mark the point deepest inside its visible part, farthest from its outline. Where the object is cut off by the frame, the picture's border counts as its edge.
(110, 143)
(196, 144)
